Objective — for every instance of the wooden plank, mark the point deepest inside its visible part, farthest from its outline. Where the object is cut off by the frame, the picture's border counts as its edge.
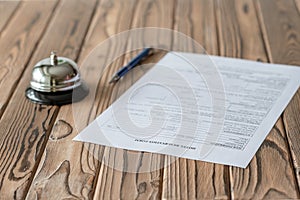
(197, 20)
(184, 178)
(80, 162)
(270, 173)
(286, 25)
(25, 126)
(7, 10)
(139, 175)
(18, 41)
(291, 124)
(135, 174)
(235, 38)
(297, 2)
(283, 47)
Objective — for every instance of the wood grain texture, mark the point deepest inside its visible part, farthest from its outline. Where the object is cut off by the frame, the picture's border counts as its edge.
(291, 124)
(188, 179)
(297, 2)
(7, 10)
(25, 126)
(37, 154)
(240, 36)
(283, 47)
(22, 146)
(269, 175)
(19, 138)
(83, 158)
(196, 19)
(184, 178)
(239, 33)
(136, 175)
(18, 41)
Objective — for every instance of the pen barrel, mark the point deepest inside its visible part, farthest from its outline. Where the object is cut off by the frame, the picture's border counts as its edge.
(123, 71)
(139, 58)
(134, 62)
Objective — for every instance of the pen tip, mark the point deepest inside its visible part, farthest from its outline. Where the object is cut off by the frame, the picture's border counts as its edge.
(115, 78)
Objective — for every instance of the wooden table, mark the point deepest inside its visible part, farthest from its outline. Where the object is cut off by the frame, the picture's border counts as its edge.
(38, 158)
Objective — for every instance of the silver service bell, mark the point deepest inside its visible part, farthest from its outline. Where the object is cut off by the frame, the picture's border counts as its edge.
(56, 81)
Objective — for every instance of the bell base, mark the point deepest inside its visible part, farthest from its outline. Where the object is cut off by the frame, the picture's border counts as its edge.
(57, 98)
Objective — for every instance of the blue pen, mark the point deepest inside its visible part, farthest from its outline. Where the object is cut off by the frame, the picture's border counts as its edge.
(133, 63)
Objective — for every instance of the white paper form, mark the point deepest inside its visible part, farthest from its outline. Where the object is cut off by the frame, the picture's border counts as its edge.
(176, 109)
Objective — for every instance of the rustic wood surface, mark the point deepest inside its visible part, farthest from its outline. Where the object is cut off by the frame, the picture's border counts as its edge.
(283, 47)
(241, 37)
(188, 179)
(39, 160)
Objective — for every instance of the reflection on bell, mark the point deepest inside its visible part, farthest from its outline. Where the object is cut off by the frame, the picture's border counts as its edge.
(56, 81)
